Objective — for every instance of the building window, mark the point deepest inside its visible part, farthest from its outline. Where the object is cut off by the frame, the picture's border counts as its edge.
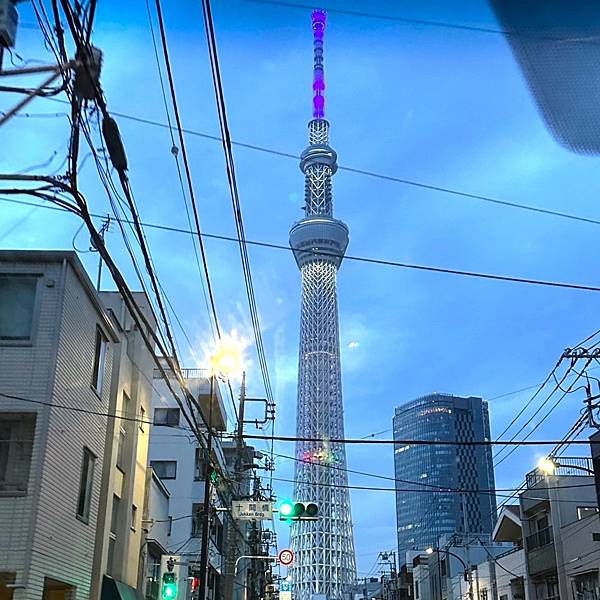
(111, 554)
(99, 361)
(114, 515)
(200, 466)
(123, 430)
(133, 517)
(142, 418)
(6, 579)
(121, 450)
(164, 469)
(85, 485)
(166, 416)
(17, 305)
(197, 510)
(586, 511)
(16, 442)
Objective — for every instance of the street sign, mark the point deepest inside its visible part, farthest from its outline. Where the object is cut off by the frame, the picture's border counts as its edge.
(252, 510)
(285, 586)
(286, 557)
(285, 595)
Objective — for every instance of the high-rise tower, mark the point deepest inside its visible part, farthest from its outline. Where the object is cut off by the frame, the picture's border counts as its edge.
(325, 561)
(423, 516)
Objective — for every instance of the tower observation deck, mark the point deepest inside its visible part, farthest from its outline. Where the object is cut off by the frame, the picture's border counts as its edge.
(325, 559)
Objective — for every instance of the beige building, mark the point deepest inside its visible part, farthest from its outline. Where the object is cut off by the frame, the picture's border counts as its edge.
(72, 479)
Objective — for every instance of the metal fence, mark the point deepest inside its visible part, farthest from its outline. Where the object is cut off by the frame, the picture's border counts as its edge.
(540, 538)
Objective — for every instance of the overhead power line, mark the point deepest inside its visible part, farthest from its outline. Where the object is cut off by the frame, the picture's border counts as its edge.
(362, 259)
(424, 486)
(531, 34)
(283, 438)
(403, 490)
(366, 172)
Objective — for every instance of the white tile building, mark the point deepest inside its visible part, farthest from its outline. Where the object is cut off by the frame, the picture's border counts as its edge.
(63, 368)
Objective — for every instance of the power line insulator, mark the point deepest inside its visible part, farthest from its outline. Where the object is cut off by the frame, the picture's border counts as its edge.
(114, 144)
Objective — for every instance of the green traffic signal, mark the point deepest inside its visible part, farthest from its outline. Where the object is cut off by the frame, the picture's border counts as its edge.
(286, 508)
(298, 511)
(169, 587)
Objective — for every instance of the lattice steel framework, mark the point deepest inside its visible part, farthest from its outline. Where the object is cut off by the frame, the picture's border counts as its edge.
(325, 558)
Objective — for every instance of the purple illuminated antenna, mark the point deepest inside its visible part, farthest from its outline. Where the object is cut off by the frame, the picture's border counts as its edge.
(318, 24)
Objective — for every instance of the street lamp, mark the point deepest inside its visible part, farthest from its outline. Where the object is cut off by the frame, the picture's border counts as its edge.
(225, 362)
(549, 464)
(467, 571)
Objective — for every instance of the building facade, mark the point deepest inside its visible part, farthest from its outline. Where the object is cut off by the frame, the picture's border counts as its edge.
(423, 514)
(64, 370)
(511, 570)
(561, 528)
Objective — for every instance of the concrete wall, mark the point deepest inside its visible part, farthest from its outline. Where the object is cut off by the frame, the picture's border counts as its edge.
(158, 511)
(130, 397)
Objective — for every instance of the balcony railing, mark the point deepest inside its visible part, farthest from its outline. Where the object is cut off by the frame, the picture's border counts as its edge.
(187, 373)
(566, 466)
(540, 538)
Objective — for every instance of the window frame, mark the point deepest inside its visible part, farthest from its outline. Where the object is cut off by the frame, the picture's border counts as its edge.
(200, 465)
(84, 516)
(18, 448)
(153, 463)
(35, 313)
(114, 514)
(197, 520)
(167, 411)
(99, 364)
(592, 510)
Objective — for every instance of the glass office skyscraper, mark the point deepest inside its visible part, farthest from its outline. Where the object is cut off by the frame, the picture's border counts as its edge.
(424, 514)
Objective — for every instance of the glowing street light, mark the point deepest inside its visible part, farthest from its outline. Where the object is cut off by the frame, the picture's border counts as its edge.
(429, 551)
(547, 465)
(227, 360)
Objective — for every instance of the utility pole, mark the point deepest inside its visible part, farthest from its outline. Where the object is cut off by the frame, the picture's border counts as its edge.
(232, 526)
(207, 490)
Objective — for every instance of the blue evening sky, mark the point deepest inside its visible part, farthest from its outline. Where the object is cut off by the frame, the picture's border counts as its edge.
(442, 106)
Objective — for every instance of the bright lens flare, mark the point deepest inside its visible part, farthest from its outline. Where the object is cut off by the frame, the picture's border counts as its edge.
(227, 359)
(547, 465)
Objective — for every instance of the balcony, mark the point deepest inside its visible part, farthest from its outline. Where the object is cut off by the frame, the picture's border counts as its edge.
(539, 539)
(566, 466)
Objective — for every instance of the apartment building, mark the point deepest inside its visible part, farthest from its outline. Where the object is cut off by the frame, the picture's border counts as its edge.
(559, 512)
(71, 478)
(511, 569)
(179, 462)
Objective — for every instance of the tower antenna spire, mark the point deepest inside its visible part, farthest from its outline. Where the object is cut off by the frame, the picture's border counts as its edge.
(319, 17)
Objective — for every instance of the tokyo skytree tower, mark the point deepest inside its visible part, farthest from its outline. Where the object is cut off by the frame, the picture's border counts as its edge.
(325, 561)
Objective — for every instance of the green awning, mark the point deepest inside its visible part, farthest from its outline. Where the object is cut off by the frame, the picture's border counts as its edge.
(117, 590)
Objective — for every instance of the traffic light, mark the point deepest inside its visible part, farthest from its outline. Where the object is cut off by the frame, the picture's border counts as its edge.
(168, 589)
(169, 576)
(298, 511)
